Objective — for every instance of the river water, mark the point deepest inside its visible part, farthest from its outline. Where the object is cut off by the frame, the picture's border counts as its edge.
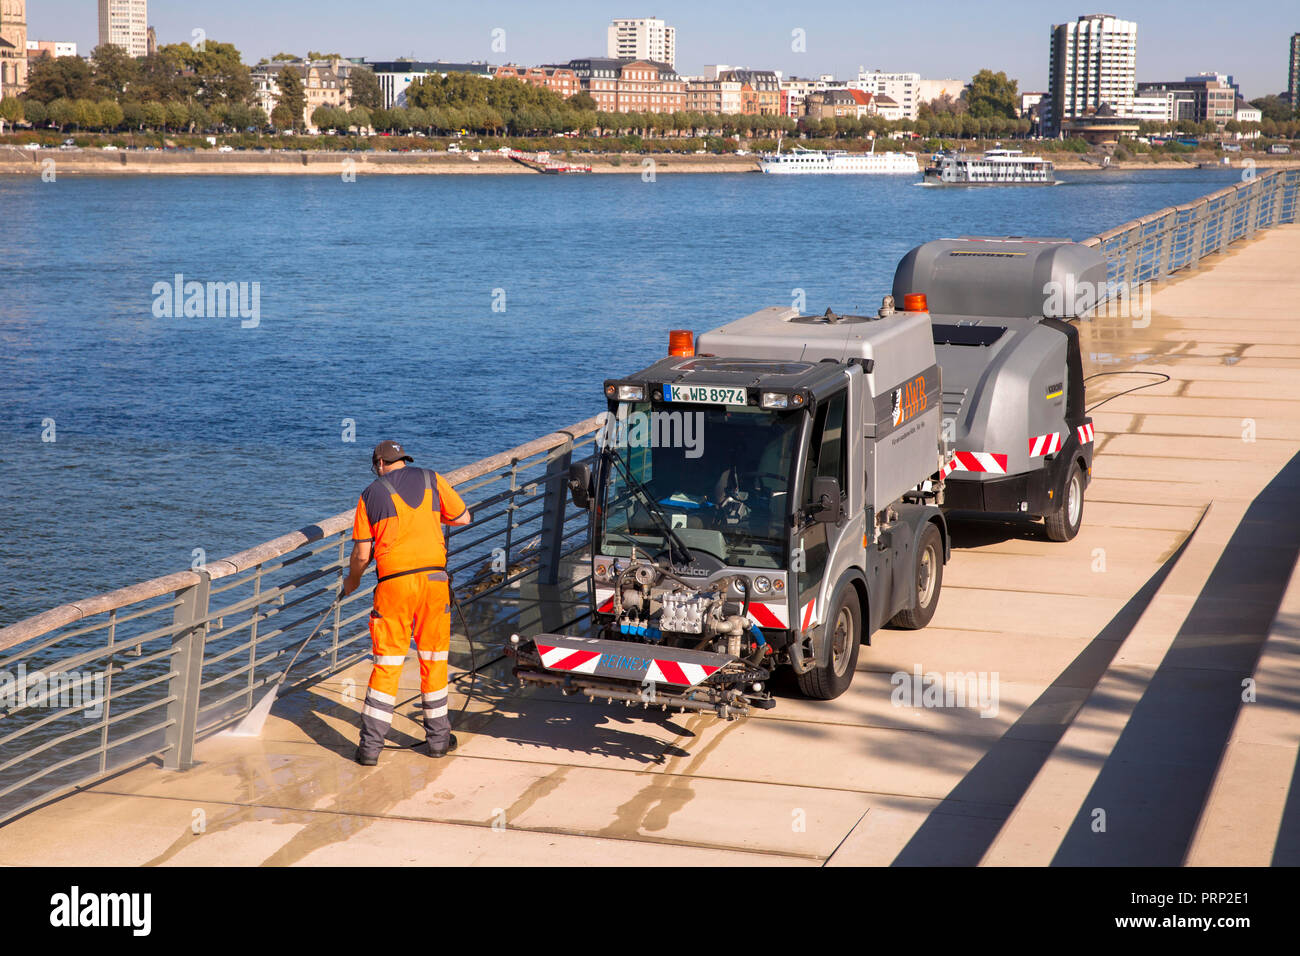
(462, 315)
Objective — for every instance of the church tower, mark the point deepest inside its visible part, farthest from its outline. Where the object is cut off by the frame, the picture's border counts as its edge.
(13, 47)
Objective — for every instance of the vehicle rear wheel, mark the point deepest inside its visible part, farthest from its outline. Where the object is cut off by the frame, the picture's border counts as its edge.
(844, 634)
(929, 581)
(1065, 523)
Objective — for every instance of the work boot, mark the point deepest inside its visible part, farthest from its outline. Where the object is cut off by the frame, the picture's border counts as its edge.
(434, 752)
(367, 758)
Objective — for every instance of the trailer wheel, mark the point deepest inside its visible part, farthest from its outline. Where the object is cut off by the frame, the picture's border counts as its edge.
(929, 581)
(828, 681)
(1064, 524)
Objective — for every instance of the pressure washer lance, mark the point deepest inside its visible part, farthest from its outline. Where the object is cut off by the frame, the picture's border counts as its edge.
(255, 719)
(251, 725)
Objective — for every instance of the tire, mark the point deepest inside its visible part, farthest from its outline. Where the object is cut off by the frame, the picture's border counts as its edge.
(828, 681)
(929, 581)
(1065, 523)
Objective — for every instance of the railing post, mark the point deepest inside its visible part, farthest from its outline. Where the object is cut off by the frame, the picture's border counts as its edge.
(187, 673)
(553, 514)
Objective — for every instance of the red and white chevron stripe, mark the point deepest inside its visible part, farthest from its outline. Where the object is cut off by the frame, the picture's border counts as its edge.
(975, 461)
(809, 615)
(1044, 445)
(770, 615)
(677, 672)
(567, 659)
(604, 600)
(1085, 433)
(660, 670)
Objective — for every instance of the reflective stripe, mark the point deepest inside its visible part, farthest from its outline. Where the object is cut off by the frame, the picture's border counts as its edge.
(433, 655)
(380, 697)
(390, 660)
(436, 711)
(374, 713)
(430, 700)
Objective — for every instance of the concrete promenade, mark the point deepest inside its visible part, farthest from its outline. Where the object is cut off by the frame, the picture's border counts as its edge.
(1122, 658)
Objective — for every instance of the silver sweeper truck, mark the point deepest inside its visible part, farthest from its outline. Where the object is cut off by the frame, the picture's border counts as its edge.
(774, 493)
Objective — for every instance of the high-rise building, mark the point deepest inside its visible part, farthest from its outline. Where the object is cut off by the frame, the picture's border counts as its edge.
(125, 23)
(903, 88)
(1093, 61)
(642, 38)
(13, 47)
(1293, 72)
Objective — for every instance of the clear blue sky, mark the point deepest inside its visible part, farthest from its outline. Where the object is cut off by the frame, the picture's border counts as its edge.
(937, 38)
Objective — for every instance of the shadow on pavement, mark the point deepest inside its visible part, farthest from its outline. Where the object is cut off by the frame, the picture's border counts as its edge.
(1005, 768)
(1155, 782)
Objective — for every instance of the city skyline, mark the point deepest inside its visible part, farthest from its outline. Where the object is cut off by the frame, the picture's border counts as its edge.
(954, 39)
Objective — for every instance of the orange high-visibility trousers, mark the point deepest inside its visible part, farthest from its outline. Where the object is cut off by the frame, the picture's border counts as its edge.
(410, 605)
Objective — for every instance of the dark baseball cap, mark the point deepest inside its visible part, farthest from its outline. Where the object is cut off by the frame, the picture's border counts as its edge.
(389, 451)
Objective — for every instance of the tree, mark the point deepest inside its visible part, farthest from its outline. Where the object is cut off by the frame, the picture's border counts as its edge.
(283, 118)
(110, 114)
(62, 113)
(114, 70)
(35, 112)
(155, 115)
(992, 94)
(213, 74)
(11, 112)
(292, 96)
(365, 91)
(582, 101)
(178, 114)
(1274, 108)
(323, 117)
(65, 77)
(359, 117)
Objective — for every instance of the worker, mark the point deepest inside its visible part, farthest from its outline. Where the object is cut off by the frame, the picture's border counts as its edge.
(399, 522)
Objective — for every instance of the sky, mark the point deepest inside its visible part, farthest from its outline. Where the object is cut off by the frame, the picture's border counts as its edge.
(939, 39)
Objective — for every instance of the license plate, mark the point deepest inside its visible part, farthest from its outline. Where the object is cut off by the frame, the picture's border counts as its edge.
(706, 394)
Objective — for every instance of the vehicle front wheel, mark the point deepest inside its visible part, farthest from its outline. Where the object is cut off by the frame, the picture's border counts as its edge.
(844, 634)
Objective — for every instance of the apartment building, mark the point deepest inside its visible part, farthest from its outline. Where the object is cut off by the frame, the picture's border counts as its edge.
(620, 85)
(760, 91)
(642, 38)
(713, 96)
(557, 79)
(1092, 61)
(125, 23)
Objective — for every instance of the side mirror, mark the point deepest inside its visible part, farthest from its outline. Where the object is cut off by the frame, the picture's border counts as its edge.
(580, 485)
(826, 501)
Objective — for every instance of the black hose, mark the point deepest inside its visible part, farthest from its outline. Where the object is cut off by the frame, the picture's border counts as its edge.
(1163, 378)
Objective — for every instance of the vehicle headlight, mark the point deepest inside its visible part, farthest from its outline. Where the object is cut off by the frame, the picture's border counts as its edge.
(775, 400)
(631, 393)
(762, 584)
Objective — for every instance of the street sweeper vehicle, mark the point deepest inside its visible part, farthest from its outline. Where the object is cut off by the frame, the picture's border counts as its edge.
(772, 493)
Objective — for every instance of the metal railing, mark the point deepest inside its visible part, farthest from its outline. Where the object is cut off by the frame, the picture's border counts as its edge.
(146, 671)
(1149, 249)
(91, 688)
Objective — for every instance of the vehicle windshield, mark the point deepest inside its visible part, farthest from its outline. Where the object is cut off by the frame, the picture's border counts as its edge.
(717, 475)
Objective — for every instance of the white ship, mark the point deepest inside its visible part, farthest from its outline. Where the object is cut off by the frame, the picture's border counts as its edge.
(997, 167)
(837, 161)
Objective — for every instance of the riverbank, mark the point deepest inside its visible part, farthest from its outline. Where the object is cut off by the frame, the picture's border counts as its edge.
(138, 162)
(14, 161)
